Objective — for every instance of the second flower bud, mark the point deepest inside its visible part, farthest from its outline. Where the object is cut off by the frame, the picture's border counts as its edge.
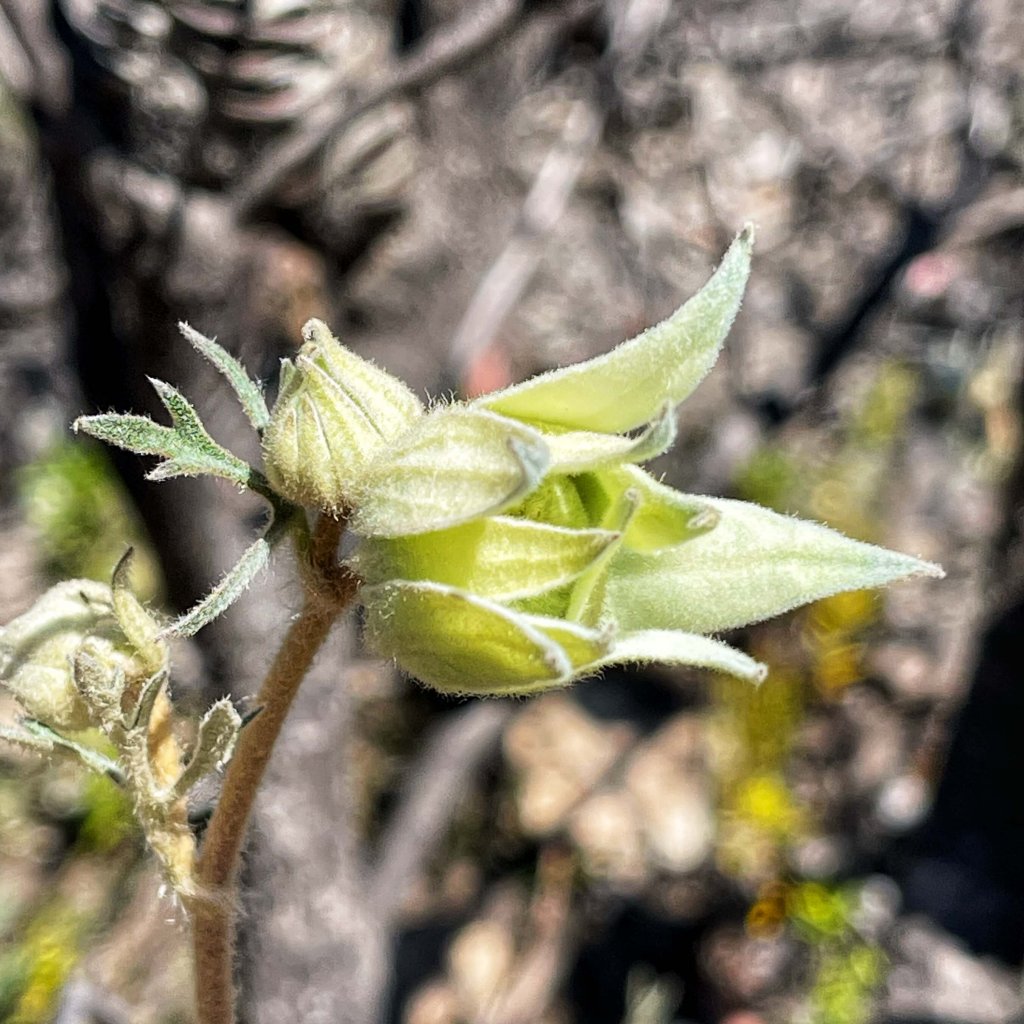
(334, 414)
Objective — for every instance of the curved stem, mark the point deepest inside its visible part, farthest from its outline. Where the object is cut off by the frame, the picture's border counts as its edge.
(328, 591)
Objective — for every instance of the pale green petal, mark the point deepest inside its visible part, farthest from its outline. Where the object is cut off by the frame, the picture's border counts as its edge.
(556, 502)
(663, 516)
(628, 386)
(754, 564)
(582, 644)
(579, 450)
(452, 466)
(587, 599)
(135, 620)
(497, 556)
(671, 647)
(460, 643)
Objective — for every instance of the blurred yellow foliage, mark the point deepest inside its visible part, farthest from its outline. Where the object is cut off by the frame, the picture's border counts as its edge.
(48, 952)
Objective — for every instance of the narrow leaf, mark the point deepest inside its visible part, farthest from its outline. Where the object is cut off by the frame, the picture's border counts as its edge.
(452, 466)
(22, 737)
(248, 391)
(224, 594)
(42, 738)
(754, 564)
(137, 434)
(626, 387)
(670, 647)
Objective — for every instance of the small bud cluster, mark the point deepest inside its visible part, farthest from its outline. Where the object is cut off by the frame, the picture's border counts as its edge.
(87, 656)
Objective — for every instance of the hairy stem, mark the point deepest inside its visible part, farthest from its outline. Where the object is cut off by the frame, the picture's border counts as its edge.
(328, 591)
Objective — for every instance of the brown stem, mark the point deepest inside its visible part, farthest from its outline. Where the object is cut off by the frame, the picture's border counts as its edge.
(328, 592)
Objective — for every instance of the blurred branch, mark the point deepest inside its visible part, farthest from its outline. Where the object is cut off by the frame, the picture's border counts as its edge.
(48, 72)
(506, 280)
(436, 783)
(631, 26)
(440, 53)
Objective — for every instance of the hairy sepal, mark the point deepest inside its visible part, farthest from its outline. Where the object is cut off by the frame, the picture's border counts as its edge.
(626, 387)
(458, 642)
(754, 564)
(453, 466)
(497, 557)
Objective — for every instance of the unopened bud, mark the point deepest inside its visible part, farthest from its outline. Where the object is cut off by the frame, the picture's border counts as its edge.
(37, 650)
(334, 414)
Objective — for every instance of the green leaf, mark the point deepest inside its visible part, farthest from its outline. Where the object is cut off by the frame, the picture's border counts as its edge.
(248, 391)
(454, 465)
(186, 447)
(25, 739)
(195, 452)
(225, 593)
(497, 557)
(215, 742)
(754, 564)
(628, 386)
(40, 737)
(137, 434)
(671, 647)
(457, 642)
(577, 451)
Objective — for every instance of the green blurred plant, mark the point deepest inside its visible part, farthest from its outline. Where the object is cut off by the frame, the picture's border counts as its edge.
(846, 968)
(34, 971)
(77, 506)
(504, 546)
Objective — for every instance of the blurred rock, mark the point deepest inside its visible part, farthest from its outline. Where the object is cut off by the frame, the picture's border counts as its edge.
(933, 978)
(560, 753)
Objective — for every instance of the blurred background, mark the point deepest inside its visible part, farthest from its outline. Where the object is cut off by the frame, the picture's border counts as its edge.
(471, 191)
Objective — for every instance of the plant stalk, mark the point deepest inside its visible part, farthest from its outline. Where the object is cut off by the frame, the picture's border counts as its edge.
(328, 592)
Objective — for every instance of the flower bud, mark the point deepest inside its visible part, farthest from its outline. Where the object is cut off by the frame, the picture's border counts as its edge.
(334, 414)
(37, 651)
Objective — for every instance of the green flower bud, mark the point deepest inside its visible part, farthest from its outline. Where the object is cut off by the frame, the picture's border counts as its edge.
(38, 650)
(334, 415)
(513, 545)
